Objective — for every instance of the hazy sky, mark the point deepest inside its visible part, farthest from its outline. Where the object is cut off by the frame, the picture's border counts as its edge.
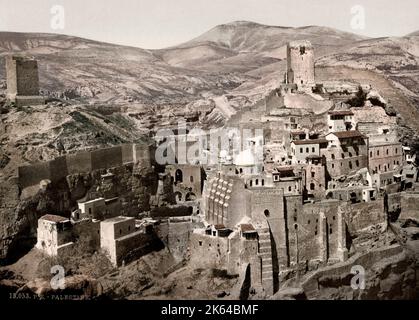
(162, 23)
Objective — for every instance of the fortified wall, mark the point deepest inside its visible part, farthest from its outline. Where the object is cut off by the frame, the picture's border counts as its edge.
(82, 162)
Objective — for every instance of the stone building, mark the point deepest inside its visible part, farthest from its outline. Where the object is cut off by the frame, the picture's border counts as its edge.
(22, 81)
(234, 251)
(340, 120)
(300, 64)
(346, 152)
(273, 204)
(315, 177)
(384, 154)
(303, 149)
(187, 181)
(54, 236)
(121, 241)
(99, 208)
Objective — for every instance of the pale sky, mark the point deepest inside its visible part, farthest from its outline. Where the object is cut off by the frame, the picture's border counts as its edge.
(161, 23)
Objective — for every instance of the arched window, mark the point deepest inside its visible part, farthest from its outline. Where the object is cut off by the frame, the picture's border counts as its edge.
(257, 182)
(267, 213)
(263, 182)
(333, 156)
(289, 188)
(178, 176)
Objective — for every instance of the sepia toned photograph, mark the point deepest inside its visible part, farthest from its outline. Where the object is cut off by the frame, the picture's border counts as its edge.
(236, 152)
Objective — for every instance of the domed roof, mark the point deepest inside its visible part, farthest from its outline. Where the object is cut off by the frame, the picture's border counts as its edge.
(245, 158)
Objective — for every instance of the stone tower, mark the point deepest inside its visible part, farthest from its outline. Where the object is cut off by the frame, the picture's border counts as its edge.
(300, 64)
(22, 81)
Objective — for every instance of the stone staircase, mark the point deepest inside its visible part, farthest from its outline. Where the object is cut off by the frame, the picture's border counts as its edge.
(265, 252)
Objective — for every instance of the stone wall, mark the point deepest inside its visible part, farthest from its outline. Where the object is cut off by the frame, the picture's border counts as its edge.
(83, 162)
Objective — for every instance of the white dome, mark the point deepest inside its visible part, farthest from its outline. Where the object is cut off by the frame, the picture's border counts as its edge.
(245, 158)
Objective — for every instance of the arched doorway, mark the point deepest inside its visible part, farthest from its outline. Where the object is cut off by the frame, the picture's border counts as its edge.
(190, 196)
(178, 196)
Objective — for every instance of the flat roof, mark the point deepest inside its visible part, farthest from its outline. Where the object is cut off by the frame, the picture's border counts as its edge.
(296, 133)
(348, 134)
(310, 141)
(247, 228)
(90, 201)
(341, 113)
(118, 219)
(383, 143)
(54, 218)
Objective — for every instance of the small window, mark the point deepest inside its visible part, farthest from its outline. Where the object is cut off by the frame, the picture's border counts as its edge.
(301, 150)
(313, 174)
(307, 150)
(289, 188)
(191, 178)
(267, 213)
(200, 243)
(312, 149)
(311, 186)
(333, 156)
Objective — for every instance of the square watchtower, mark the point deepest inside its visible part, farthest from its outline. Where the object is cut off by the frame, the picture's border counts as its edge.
(23, 81)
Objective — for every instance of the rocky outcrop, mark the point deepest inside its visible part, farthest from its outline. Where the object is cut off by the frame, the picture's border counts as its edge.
(19, 217)
(390, 273)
